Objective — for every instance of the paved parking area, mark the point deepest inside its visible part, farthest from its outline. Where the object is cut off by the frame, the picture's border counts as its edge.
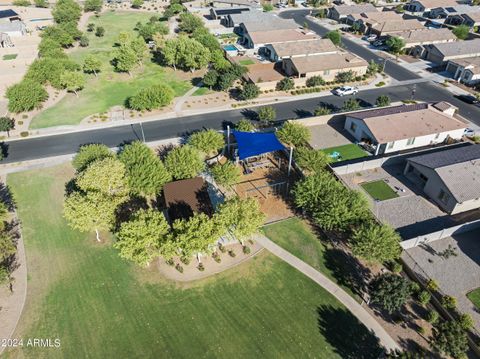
(456, 275)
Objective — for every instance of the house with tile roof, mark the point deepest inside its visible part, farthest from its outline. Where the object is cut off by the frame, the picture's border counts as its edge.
(441, 53)
(283, 50)
(404, 127)
(341, 12)
(450, 178)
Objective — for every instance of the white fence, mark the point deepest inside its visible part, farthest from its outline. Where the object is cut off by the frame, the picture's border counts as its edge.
(446, 232)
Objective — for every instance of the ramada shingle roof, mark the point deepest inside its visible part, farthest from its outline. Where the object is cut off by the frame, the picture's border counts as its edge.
(407, 121)
(458, 168)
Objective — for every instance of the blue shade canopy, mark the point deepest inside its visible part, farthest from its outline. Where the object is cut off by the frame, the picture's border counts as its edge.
(253, 144)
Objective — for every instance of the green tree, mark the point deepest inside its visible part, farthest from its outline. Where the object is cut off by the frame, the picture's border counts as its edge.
(390, 291)
(149, 30)
(66, 11)
(424, 297)
(92, 64)
(173, 9)
(449, 302)
(41, 3)
(210, 142)
(210, 78)
(451, 339)
(184, 162)
(266, 114)
(285, 84)
(461, 31)
(466, 321)
(203, 36)
(125, 59)
(322, 111)
(139, 48)
(227, 174)
(310, 160)
(48, 47)
(315, 81)
(7, 124)
(294, 134)
(376, 243)
(189, 22)
(25, 96)
(100, 31)
(395, 44)
(89, 154)
(73, 81)
(145, 172)
(433, 316)
(106, 176)
(245, 125)
(137, 4)
(242, 217)
(153, 97)
(90, 27)
(351, 105)
(7, 246)
(143, 237)
(249, 91)
(382, 101)
(91, 211)
(59, 35)
(93, 5)
(373, 68)
(50, 70)
(186, 53)
(345, 76)
(84, 41)
(335, 36)
(267, 7)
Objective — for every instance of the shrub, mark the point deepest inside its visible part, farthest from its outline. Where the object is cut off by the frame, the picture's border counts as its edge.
(415, 287)
(84, 41)
(90, 27)
(222, 248)
(201, 267)
(433, 316)
(466, 321)
(22, 3)
(310, 160)
(395, 267)
(185, 260)
(432, 285)
(179, 268)
(424, 297)
(266, 114)
(449, 302)
(315, 81)
(390, 291)
(41, 3)
(137, 4)
(216, 257)
(322, 111)
(100, 31)
(25, 96)
(335, 36)
(267, 7)
(285, 84)
(24, 134)
(170, 262)
(153, 97)
(382, 101)
(249, 91)
(246, 250)
(227, 174)
(345, 76)
(231, 253)
(245, 125)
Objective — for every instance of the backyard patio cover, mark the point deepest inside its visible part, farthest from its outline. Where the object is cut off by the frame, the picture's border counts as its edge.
(253, 144)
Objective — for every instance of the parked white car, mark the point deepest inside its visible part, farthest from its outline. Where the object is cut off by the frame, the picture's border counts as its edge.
(345, 90)
(469, 132)
(370, 38)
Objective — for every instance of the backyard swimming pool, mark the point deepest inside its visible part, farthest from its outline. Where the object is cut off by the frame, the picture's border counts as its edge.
(44, 19)
(230, 48)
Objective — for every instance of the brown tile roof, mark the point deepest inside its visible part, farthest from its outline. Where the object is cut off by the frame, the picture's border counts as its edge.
(377, 16)
(426, 35)
(474, 16)
(398, 25)
(407, 121)
(185, 197)
(274, 36)
(295, 48)
(314, 63)
(432, 4)
(263, 73)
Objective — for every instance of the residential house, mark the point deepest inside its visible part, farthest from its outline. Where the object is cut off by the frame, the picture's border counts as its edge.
(416, 40)
(471, 19)
(282, 50)
(365, 20)
(450, 178)
(9, 15)
(325, 65)
(425, 6)
(404, 127)
(465, 70)
(450, 11)
(395, 26)
(223, 14)
(341, 13)
(258, 39)
(442, 53)
(265, 75)
(11, 25)
(233, 3)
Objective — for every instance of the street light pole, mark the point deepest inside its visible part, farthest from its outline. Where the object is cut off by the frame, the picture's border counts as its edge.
(143, 133)
(414, 89)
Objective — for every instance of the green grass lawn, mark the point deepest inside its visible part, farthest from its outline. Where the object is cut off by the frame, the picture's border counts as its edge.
(109, 88)
(474, 297)
(202, 91)
(297, 237)
(10, 57)
(347, 152)
(246, 62)
(379, 190)
(102, 307)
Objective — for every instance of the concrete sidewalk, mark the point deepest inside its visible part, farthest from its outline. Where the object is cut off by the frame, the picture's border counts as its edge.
(355, 308)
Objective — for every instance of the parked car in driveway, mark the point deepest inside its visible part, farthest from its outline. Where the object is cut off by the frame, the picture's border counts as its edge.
(370, 38)
(472, 100)
(345, 90)
(469, 132)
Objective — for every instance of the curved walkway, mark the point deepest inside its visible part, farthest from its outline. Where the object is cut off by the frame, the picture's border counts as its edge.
(361, 313)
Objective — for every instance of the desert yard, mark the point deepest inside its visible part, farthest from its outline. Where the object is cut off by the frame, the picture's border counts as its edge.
(101, 306)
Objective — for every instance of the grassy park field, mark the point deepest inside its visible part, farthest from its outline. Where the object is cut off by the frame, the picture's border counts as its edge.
(100, 306)
(109, 88)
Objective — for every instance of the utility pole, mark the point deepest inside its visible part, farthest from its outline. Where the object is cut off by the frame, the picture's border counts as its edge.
(414, 89)
(143, 133)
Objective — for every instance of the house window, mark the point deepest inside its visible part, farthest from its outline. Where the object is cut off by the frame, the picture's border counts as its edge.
(410, 141)
(443, 196)
(353, 126)
(390, 145)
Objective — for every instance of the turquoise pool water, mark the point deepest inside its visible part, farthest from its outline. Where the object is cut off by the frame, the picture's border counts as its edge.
(45, 19)
(230, 48)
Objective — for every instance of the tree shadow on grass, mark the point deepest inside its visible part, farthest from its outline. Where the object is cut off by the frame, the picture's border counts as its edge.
(7, 197)
(127, 209)
(346, 334)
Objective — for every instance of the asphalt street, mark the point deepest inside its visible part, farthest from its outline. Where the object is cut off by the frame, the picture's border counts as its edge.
(68, 143)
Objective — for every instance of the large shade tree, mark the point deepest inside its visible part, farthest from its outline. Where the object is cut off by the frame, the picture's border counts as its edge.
(184, 162)
(390, 291)
(208, 141)
(451, 339)
(376, 242)
(89, 154)
(145, 171)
